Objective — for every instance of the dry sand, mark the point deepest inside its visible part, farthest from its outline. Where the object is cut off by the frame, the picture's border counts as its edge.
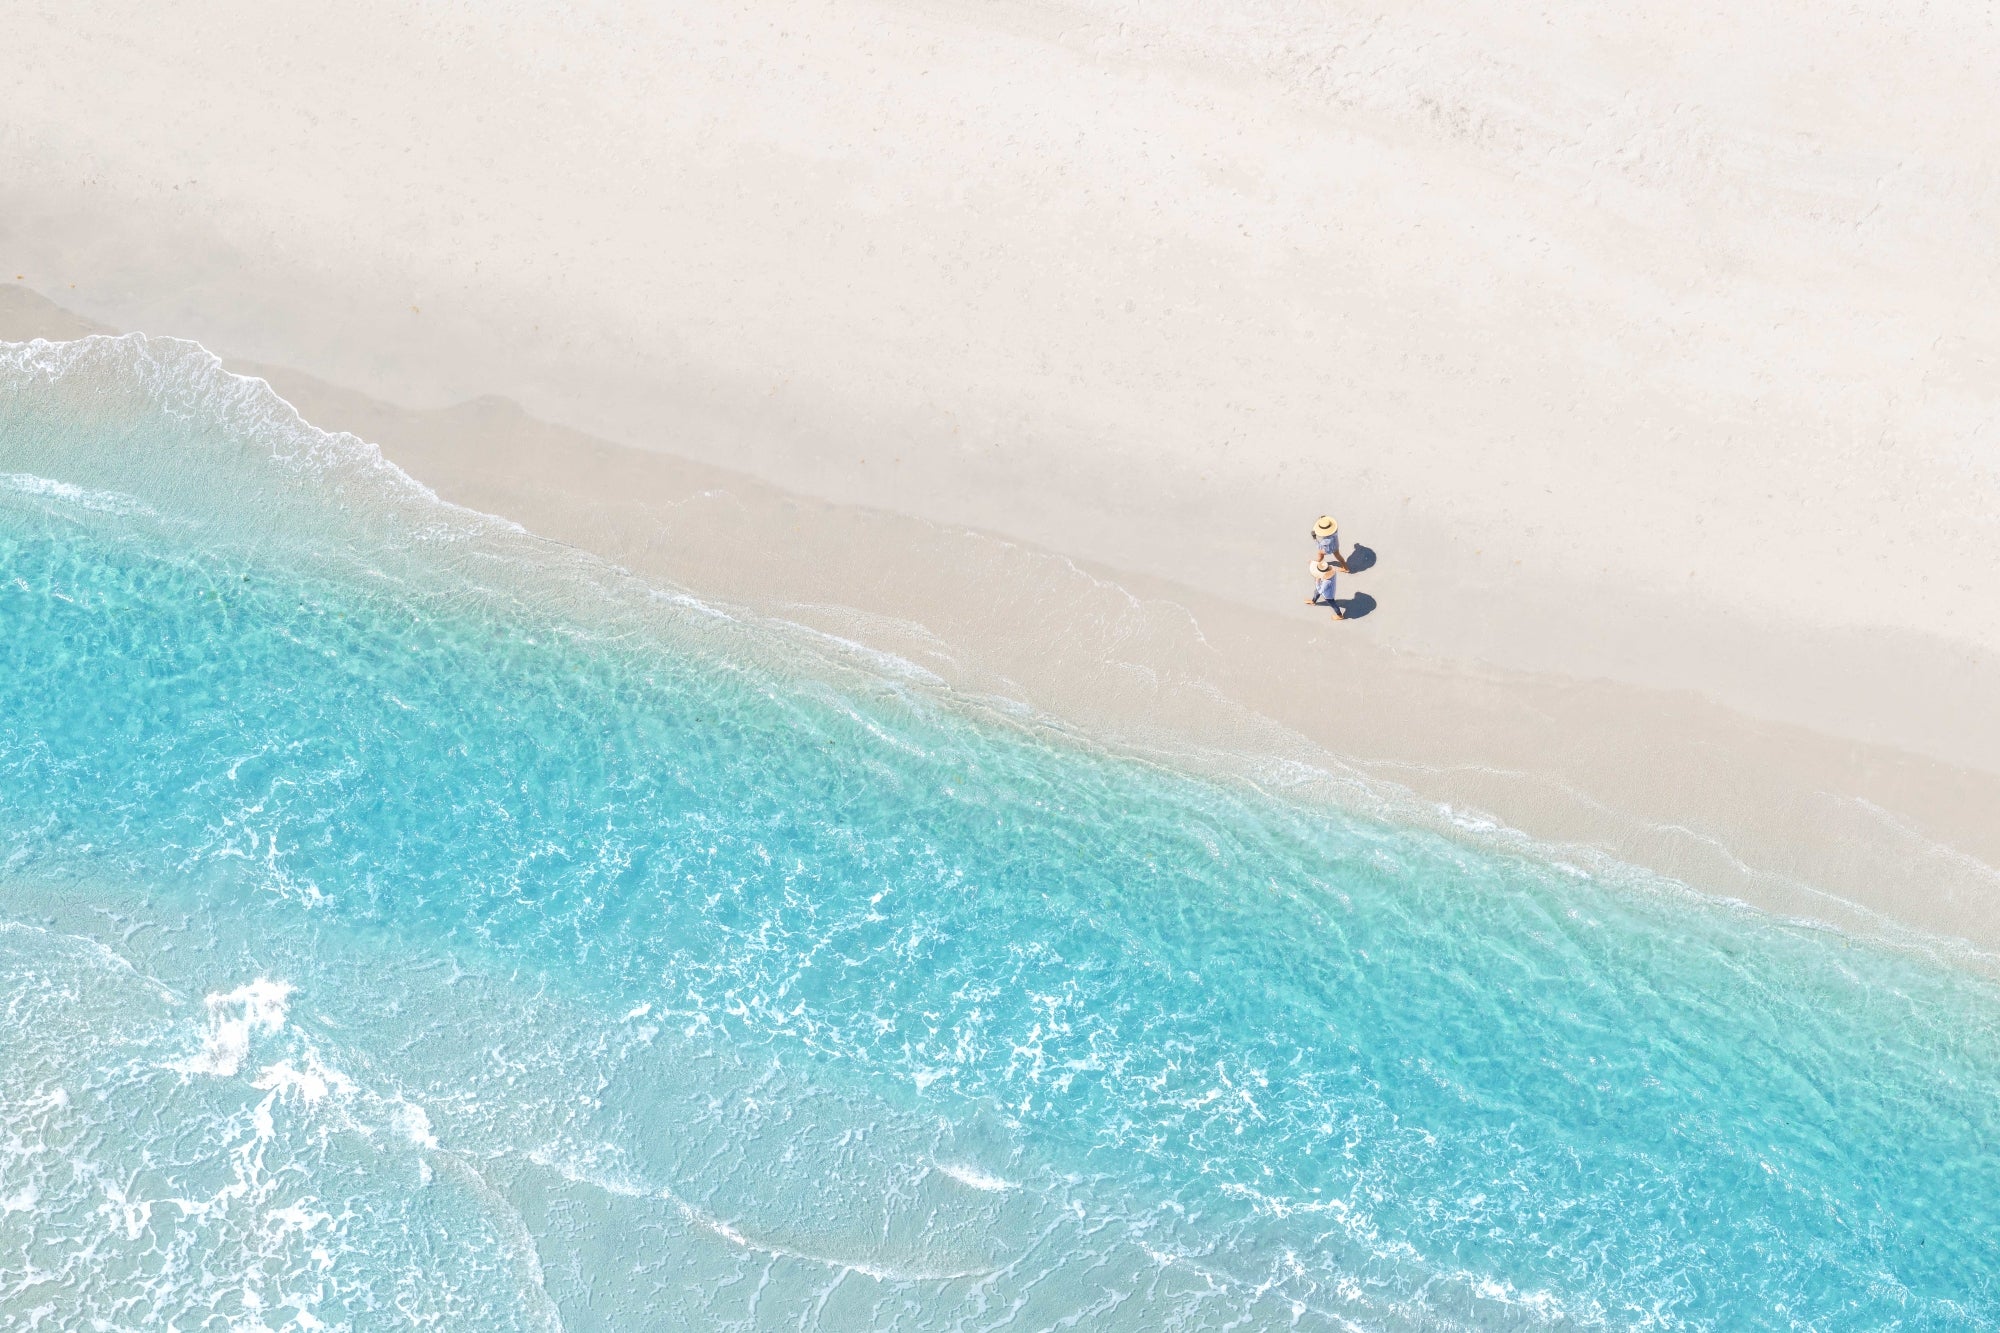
(1654, 354)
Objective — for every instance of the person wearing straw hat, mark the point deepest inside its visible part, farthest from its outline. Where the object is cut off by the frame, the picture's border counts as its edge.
(1326, 536)
(1323, 571)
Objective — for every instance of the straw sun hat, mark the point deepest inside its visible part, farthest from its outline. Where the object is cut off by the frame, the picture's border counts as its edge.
(1325, 527)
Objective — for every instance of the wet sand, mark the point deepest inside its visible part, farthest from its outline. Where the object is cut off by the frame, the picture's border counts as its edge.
(1652, 358)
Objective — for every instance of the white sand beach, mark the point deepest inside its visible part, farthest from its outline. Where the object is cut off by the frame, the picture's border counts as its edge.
(1653, 353)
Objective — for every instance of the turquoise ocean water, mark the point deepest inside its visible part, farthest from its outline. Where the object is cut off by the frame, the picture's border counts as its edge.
(406, 923)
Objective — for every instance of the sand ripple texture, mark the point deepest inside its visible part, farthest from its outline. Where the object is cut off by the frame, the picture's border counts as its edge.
(407, 923)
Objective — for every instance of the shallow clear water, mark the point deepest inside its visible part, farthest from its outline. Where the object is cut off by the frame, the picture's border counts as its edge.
(406, 923)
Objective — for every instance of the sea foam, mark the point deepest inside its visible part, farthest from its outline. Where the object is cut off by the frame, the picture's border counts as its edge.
(660, 972)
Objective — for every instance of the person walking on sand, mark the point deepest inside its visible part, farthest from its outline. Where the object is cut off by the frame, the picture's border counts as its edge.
(1323, 573)
(1326, 537)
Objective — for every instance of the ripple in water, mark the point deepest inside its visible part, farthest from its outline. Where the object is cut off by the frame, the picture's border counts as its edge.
(406, 923)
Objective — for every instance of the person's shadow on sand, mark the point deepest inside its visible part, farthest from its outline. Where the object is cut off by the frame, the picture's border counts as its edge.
(1356, 606)
(1360, 558)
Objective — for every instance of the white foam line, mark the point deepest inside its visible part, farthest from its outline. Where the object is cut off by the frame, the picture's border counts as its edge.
(103, 950)
(46, 488)
(973, 1178)
(1943, 850)
(43, 354)
(519, 1241)
(901, 665)
(52, 357)
(1883, 926)
(914, 628)
(716, 1226)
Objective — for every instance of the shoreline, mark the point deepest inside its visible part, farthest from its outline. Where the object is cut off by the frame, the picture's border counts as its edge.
(1652, 354)
(659, 663)
(1869, 839)
(1641, 349)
